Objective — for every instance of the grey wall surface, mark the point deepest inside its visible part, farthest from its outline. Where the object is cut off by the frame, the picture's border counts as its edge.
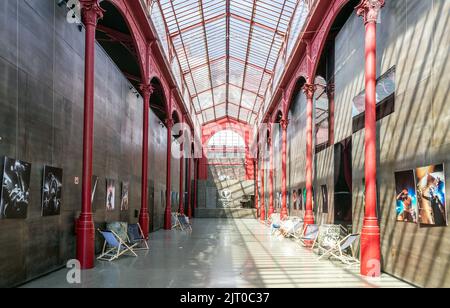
(413, 36)
(41, 118)
(210, 190)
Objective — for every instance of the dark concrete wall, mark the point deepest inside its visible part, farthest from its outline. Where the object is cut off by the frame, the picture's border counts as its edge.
(413, 36)
(41, 117)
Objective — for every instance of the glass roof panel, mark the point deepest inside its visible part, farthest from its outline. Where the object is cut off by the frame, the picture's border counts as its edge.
(217, 72)
(206, 100)
(221, 111)
(220, 94)
(228, 51)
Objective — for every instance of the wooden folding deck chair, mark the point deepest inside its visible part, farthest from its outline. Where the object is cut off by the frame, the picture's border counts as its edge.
(292, 227)
(136, 236)
(175, 221)
(339, 250)
(328, 237)
(274, 223)
(309, 235)
(184, 223)
(114, 247)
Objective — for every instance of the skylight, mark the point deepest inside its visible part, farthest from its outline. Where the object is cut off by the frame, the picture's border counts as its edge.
(228, 52)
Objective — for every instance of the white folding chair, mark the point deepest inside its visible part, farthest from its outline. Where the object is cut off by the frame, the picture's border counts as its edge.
(339, 250)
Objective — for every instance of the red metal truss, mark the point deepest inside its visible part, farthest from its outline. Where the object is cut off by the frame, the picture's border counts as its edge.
(218, 17)
(116, 36)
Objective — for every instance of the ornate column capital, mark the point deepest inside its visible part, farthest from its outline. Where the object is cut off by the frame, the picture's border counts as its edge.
(369, 10)
(91, 12)
(170, 123)
(284, 124)
(146, 89)
(309, 90)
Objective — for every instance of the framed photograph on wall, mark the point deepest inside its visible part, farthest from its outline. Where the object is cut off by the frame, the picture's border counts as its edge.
(301, 200)
(294, 199)
(124, 199)
(430, 190)
(51, 191)
(324, 190)
(110, 195)
(406, 200)
(15, 194)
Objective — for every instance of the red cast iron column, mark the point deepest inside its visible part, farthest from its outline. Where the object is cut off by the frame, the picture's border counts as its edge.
(284, 125)
(147, 91)
(91, 13)
(255, 167)
(181, 201)
(309, 90)
(271, 201)
(168, 212)
(262, 211)
(195, 181)
(370, 234)
(189, 187)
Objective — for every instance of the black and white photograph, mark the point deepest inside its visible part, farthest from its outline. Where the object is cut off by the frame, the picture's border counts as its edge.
(51, 191)
(110, 195)
(15, 197)
(124, 199)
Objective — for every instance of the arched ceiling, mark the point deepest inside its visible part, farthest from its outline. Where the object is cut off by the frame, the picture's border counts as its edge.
(227, 54)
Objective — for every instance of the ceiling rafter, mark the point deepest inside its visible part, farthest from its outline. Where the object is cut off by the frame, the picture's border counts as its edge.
(271, 48)
(182, 43)
(250, 34)
(231, 84)
(170, 42)
(205, 39)
(265, 70)
(225, 15)
(228, 27)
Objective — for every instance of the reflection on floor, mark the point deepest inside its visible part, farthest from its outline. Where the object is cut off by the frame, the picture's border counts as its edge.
(220, 253)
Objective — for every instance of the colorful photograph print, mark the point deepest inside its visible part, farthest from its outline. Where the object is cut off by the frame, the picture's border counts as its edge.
(124, 200)
(15, 194)
(406, 200)
(110, 195)
(430, 189)
(51, 191)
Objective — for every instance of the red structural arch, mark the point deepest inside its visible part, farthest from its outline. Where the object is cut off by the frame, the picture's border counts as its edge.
(242, 129)
(318, 42)
(156, 79)
(309, 62)
(155, 73)
(290, 97)
(138, 38)
(146, 58)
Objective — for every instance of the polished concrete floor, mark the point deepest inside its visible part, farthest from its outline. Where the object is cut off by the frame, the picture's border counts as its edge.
(220, 253)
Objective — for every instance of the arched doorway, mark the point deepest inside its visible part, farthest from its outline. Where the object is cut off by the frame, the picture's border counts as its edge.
(296, 146)
(227, 184)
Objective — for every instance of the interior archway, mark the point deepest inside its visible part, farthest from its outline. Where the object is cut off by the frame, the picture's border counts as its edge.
(115, 37)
